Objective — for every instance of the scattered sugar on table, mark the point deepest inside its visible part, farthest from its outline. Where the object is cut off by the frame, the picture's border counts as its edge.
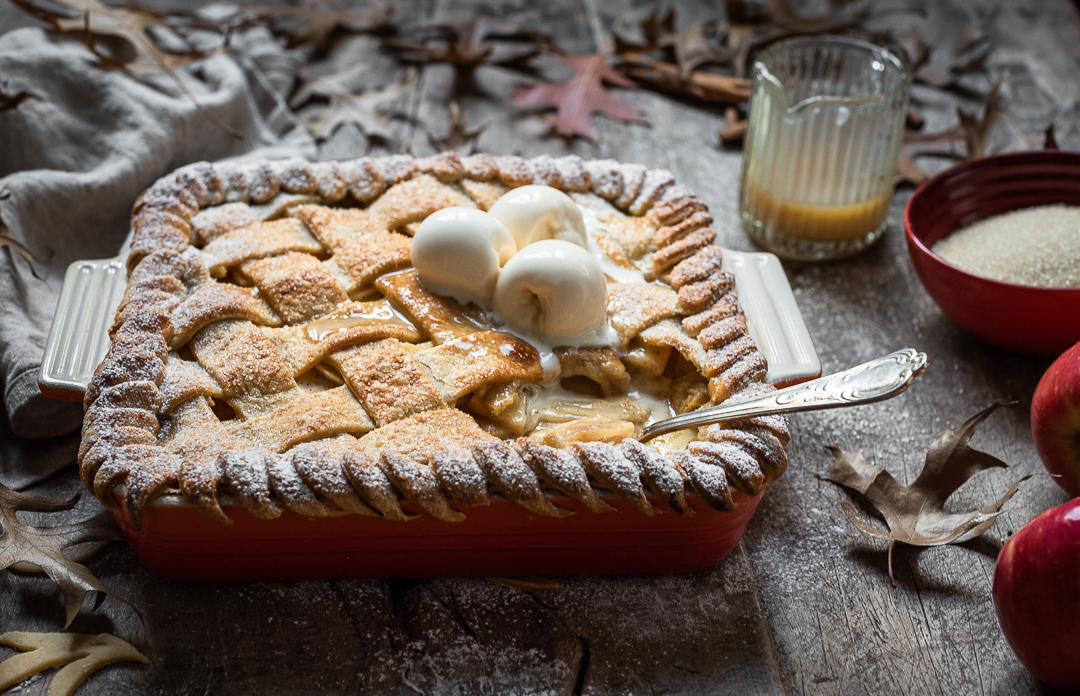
(1034, 246)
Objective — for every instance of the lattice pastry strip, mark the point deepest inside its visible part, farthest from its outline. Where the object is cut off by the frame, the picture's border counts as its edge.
(259, 241)
(421, 434)
(337, 228)
(632, 308)
(298, 286)
(253, 376)
(349, 324)
(295, 446)
(309, 416)
(184, 380)
(390, 382)
(441, 318)
(358, 264)
(471, 363)
(415, 199)
(216, 302)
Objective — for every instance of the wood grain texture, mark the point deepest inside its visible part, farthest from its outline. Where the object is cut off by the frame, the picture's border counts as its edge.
(802, 606)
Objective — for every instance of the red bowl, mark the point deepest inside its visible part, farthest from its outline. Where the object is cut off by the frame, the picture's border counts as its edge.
(1020, 318)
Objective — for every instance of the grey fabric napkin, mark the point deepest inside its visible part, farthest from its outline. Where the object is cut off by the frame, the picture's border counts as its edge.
(74, 158)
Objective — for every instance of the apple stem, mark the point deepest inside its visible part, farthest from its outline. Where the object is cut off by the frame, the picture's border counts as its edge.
(891, 576)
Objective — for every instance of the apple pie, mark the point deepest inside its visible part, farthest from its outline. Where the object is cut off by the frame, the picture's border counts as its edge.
(276, 347)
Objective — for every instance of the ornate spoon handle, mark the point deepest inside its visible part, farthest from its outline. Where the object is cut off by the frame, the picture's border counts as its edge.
(877, 380)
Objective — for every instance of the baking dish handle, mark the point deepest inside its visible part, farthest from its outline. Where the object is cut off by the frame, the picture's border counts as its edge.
(773, 317)
(79, 337)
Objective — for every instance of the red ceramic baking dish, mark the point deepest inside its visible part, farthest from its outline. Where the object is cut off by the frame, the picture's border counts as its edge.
(500, 539)
(1019, 318)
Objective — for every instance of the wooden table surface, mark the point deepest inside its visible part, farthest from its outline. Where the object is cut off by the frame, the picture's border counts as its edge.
(804, 603)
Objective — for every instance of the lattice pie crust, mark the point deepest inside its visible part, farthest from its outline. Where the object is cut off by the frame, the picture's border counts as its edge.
(273, 343)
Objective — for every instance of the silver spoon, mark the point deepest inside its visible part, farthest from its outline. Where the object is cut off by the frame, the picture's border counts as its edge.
(881, 378)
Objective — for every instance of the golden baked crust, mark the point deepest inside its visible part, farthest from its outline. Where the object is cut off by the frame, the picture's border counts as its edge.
(278, 347)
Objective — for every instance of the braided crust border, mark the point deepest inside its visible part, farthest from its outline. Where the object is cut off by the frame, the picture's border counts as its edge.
(119, 438)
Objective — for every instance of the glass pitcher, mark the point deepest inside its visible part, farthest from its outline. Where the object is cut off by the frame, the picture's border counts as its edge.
(820, 156)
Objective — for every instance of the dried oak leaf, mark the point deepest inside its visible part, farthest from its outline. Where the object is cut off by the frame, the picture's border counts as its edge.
(1049, 141)
(977, 128)
(916, 514)
(581, 96)
(948, 144)
(316, 21)
(734, 129)
(10, 101)
(368, 110)
(966, 141)
(690, 47)
(81, 654)
(752, 26)
(44, 546)
(120, 38)
(459, 138)
(7, 240)
(466, 44)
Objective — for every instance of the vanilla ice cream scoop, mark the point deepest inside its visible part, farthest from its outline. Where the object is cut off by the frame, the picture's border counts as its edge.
(458, 252)
(533, 213)
(553, 291)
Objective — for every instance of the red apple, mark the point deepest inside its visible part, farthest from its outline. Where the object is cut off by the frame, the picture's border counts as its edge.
(1055, 420)
(1037, 595)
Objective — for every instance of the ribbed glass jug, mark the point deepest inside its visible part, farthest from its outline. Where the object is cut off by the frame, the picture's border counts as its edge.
(821, 150)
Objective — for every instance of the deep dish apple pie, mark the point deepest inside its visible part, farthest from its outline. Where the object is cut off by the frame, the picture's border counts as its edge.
(340, 337)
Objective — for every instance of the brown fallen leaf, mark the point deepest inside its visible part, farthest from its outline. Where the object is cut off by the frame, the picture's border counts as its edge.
(334, 85)
(916, 514)
(120, 39)
(740, 40)
(949, 144)
(977, 128)
(10, 101)
(682, 53)
(690, 48)
(1049, 141)
(734, 129)
(526, 584)
(459, 138)
(581, 96)
(368, 110)
(913, 120)
(751, 27)
(317, 21)
(81, 654)
(966, 141)
(467, 44)
(118, 36)
(7, 240)
(44, 546)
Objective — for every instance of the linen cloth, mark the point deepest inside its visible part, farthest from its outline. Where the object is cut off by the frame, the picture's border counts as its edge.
(73, 159)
